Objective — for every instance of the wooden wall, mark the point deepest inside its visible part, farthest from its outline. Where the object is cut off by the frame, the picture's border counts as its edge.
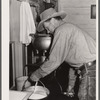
(79, 13)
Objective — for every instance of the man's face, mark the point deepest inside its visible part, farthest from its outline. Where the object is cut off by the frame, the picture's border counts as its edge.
(49, 25)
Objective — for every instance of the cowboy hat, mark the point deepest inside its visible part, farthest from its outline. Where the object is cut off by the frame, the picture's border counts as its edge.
(47, 14)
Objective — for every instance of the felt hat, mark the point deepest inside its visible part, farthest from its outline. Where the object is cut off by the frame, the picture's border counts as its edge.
(47, 14)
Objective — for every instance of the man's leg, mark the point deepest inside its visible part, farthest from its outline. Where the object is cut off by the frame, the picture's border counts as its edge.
(72, 80)
(87, 89)
(82, 94)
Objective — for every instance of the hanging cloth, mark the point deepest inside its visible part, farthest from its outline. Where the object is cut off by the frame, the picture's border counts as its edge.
(47, 1)
(27, 24)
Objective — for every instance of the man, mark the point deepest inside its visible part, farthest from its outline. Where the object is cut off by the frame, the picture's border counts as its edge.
(72, 45)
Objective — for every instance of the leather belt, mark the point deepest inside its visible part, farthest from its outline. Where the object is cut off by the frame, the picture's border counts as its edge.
(89, 64)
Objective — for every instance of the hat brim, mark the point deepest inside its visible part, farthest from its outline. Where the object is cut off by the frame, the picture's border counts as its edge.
(40, 26)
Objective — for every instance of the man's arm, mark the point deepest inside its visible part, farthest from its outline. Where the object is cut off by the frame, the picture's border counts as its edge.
(58, 53)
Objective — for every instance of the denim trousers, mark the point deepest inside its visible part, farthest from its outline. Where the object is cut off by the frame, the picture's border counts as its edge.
(87, 81)
(87, 87)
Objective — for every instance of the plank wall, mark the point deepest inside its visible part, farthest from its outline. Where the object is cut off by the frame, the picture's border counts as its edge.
(79, 13)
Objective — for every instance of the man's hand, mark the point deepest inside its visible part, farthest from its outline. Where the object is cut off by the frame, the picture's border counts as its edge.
(33, 78)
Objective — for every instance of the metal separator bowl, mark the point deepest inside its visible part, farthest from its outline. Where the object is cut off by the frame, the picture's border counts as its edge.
(41, 41)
